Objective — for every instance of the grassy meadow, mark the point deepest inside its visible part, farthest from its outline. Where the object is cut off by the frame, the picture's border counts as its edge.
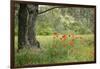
(79, 48)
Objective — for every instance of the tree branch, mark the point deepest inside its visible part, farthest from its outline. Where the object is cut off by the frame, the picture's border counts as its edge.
(48, 10)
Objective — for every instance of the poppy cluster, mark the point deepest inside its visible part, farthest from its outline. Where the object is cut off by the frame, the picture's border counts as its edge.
(64, 37)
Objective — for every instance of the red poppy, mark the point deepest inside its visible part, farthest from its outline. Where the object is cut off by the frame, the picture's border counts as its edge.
(71, 43)
(64, 37)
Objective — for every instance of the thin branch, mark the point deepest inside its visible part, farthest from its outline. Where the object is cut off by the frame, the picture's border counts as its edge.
(48, 10)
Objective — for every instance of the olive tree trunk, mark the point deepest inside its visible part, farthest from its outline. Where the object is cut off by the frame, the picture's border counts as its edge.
(26, 31)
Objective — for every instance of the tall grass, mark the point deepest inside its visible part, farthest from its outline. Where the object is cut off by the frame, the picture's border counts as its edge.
(53, 51)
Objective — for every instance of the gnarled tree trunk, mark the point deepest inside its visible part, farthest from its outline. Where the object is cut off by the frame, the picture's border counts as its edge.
(26, 32)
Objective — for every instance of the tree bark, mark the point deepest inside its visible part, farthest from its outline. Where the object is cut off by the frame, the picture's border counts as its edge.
(22, 19)
(31, 34)
(27, 19)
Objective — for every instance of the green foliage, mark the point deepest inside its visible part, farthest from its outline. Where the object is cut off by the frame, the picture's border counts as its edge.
(65, 20)
(44, 31)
